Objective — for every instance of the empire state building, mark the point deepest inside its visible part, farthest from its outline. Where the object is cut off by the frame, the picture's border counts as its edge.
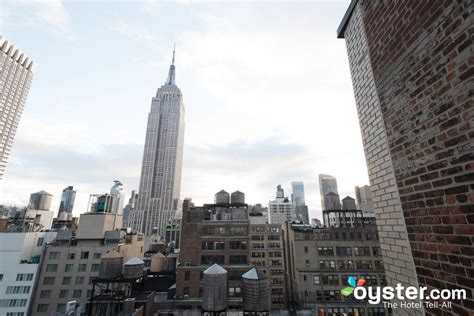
(160, 179)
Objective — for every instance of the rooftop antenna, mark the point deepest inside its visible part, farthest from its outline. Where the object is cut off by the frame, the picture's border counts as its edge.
(174, 49)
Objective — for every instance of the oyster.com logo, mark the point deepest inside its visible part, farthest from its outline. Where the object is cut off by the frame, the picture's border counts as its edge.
(347, 291)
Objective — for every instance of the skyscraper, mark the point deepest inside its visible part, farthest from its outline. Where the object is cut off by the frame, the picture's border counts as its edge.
(327, 184)
(364, 200)
(119, 197)
(301, 209)
(413, 86)
(298, 192)
(67, 200)
(160, 180)
(16, 72)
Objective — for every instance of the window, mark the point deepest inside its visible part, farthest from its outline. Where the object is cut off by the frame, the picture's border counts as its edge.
(326, 251)
(51, 268)
(69, 267)
(212, 259)
(355, 311)
(258, 245)
(344, 251)
(376, 251)
(331, 279)
(258, 237)
(89, 293)
(45, 294)
(238, 245)
(71, 256)
(378, 265)
(95, 267)
(213, 245)
(63, 294)
(258, 254)
(238, 259)
(18, 289)
(336, 311)
(331, 295)
(345, 265)
(273, 237)
(15, 314)
(48, 281)
(54, 255)
(24, 277)
(40, 241)
(361, 251)
(85, 255)
(364, 264)
(77, 294)
(91, 279)
(327, 264)
(13, 302)
(42, 308)
(97, 255)
(79, 280)
(66, 280)
(305, 249)
(1, 277)
(235, 291)
(376, 311)
(316, 279)
(187, 275)
(61, 307)
(82, 267)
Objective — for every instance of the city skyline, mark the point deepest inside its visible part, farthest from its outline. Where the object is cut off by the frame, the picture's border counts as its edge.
(253, 150)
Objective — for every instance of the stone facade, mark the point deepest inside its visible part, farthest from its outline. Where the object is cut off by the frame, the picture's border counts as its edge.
(412, 68)
(320, 261)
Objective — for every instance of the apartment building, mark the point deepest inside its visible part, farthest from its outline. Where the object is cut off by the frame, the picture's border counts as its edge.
(320, 261)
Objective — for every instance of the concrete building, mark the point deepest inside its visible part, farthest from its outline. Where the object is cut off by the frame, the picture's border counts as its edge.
(69, 266)
(267, 253)
(212, 234)
(327, 184)
(16, 72)
(364, 200)
(281, 210)
(160, 180)
(230, 236)
(20, 255)
(67, 200)
(319, 262)
(412, 80)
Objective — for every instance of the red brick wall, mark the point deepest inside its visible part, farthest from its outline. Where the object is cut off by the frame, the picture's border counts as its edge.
(423, 62)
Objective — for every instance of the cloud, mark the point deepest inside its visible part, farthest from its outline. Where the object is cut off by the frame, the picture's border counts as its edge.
(50, 14)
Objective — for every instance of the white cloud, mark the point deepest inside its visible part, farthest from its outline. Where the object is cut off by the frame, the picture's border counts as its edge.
(50, 14)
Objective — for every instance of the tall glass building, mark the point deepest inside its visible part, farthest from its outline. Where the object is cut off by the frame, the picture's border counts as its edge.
(327, 184)
(67, 200)
(160, 180)
(16, 72)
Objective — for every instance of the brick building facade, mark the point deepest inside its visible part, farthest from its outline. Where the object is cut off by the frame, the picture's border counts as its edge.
(412, 70)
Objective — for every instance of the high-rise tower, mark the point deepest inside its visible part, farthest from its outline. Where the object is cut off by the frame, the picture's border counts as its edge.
(67, 200)
(16, 72)
(160, 180)
(327, 184)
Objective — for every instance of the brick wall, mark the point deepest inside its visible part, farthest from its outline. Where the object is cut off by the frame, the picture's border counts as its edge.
(396, 251)
(422, 59)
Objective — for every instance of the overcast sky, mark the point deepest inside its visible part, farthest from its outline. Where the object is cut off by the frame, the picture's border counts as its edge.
(266, 87)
